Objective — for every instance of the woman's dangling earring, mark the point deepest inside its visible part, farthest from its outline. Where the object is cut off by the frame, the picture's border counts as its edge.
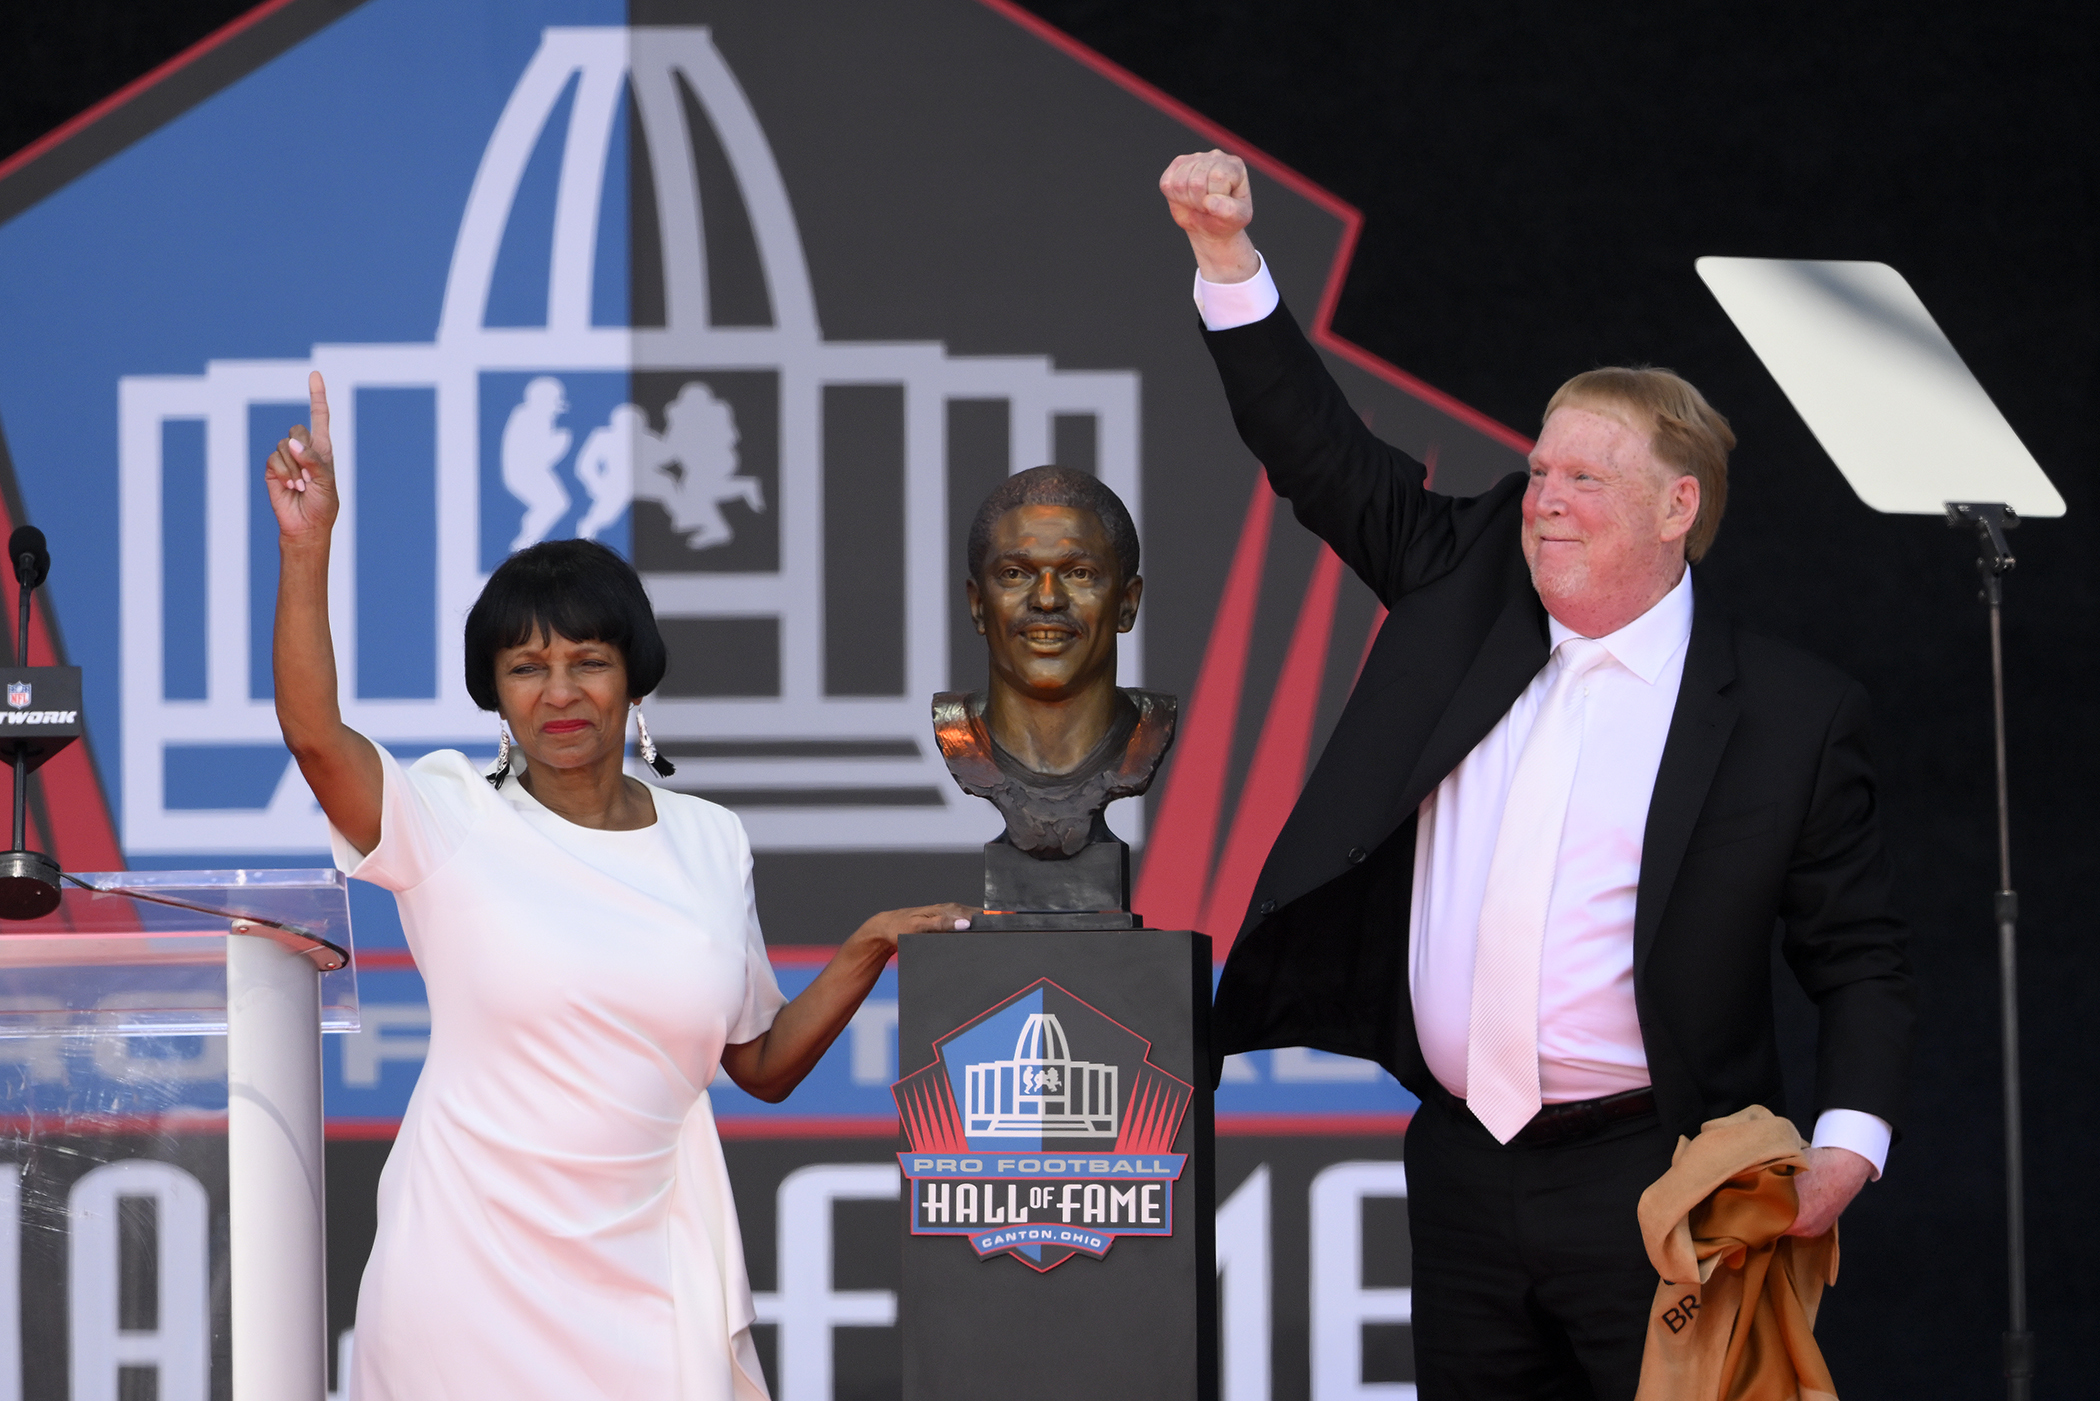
(497, 774)
(664, 767)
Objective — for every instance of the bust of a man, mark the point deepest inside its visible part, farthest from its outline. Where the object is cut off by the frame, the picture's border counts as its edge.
(1053, 582)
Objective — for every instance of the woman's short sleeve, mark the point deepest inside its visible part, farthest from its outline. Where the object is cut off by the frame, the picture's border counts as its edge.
(425, 813)
(762, 996)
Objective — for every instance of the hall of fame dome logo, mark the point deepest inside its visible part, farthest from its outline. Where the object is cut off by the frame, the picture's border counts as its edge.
(628, 350)
(1042, 1130)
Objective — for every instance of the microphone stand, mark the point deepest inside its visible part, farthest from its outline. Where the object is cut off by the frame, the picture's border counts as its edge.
(1990, 521)
(29, 880)
(23, 572)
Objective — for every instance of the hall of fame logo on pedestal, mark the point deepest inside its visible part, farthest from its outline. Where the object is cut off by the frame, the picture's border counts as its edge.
(1042, 1130)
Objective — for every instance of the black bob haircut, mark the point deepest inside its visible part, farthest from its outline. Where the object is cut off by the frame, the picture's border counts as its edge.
(577, 589)
(1056, 486)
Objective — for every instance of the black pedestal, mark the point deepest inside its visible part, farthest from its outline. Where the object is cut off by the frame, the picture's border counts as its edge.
(1090, 890)
(1059, 1222)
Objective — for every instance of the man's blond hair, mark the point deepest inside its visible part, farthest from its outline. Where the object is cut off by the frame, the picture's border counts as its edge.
(1685, 432)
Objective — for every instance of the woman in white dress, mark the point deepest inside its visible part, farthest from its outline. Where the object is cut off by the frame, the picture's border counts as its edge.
(555, 1218)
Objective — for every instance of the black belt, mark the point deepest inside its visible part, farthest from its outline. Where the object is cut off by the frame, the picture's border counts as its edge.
(1582, 1118)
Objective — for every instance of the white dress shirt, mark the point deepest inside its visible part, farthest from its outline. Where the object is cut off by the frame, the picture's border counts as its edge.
(1589, 1030)
(1589, 1033)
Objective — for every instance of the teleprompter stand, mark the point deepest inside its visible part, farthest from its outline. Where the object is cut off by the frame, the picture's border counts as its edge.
(1990, 521)
(1056, 1110)
(1890, 400)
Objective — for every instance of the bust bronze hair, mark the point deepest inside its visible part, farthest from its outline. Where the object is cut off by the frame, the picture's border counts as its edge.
(1051, 740)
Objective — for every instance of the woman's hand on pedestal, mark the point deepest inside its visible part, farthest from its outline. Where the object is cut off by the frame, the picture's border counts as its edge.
(882, 930)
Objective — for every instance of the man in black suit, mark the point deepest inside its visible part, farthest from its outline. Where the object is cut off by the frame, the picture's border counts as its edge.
(1564, 771)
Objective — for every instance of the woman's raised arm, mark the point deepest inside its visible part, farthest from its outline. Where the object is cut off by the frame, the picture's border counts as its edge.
(340, 765)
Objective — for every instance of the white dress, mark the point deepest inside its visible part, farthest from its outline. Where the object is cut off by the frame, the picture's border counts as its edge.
(555, 1218)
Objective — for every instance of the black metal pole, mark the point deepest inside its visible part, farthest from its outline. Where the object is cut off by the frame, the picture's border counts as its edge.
(21, 753)
(2019, 1343)
(1990, 520)
(21, 795)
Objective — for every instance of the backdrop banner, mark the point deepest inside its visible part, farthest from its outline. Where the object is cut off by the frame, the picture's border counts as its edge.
(765, 295)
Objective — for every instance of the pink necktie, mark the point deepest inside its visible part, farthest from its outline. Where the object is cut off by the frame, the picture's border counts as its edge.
(1502, 1048)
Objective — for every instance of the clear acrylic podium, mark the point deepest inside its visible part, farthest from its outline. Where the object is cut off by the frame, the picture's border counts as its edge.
(263, 958)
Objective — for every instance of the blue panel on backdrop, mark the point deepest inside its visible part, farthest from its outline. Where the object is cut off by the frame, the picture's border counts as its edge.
(375, 918)
(183, 643)
(611, 289)
(397, 653)
(370, 1073)
(518, 290)
(207, 777)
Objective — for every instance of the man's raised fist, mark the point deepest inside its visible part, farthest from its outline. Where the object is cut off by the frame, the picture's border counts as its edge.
(1210, 198)
(1208, 194)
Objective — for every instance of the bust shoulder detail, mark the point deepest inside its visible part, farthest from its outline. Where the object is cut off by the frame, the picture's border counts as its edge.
(1149, 742)
(958, 728)
(1054, 815)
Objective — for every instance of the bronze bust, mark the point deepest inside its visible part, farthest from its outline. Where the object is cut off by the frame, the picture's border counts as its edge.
(1053, 560)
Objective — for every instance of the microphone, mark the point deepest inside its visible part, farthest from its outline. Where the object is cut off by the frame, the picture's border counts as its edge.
(31, 556)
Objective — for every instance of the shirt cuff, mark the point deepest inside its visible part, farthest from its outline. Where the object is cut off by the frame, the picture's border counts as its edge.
(1863, 1133)
(1228, 304)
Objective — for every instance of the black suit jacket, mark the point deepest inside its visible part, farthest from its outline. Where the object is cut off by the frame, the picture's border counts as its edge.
(1763, 814)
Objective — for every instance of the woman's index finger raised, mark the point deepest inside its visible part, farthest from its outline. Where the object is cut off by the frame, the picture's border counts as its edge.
(317, 411)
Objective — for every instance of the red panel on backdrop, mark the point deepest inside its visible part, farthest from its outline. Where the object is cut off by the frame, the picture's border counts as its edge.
(1176, 872)
(1280, 756)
